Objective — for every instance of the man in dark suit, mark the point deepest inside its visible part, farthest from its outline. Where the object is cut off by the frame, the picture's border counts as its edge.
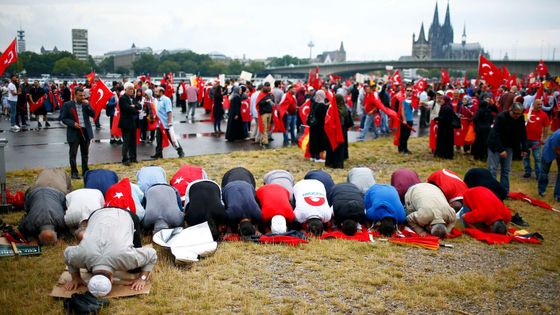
(75, 115)
(128, 123)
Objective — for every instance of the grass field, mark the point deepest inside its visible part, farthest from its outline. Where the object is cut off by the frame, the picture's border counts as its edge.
(331, 276)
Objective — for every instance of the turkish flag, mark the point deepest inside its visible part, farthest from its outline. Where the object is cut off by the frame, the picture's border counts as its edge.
(90, 76)
(115, 130)
(420, 85)
(120, 195)
(100, 95)
(396, 77)
(8, 57)
(33, 106)
(466, 82)
(246, 111)
(303, 142)
(512, 81)
(542, 69)
(444, 76)
(489, 72)
(277, 120)
(333, 126)
(304, 111)
(505, 72)
(433, 135)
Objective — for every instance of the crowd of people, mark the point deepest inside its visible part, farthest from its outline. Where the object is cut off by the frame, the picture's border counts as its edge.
(495, 125)
(108, 217)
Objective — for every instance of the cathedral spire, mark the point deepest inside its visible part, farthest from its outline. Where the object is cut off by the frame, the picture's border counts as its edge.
(421, 36)
(435, 22)
(447, 17)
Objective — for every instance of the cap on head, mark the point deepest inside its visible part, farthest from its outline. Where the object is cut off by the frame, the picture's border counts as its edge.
(278, 225)
(128, 85)
(99, 286)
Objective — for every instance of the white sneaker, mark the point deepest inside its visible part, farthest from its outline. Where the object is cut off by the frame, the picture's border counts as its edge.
(320, 161)
(15, 128)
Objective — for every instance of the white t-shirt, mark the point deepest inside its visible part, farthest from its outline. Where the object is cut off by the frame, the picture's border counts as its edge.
(80, 204)
(311, 201)
(12, 87)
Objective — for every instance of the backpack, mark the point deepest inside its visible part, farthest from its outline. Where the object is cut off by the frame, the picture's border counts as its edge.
(84, 303)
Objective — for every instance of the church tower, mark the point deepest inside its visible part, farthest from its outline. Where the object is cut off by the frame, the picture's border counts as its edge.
(447, 29)
(435, 36)
(421, 49)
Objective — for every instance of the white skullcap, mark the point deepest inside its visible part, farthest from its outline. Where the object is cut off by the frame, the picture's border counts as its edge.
(278, 225)
(149, 92)
(99, 286)
(128, 85)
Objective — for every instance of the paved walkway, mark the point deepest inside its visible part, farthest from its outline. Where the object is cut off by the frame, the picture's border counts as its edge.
(33, 147)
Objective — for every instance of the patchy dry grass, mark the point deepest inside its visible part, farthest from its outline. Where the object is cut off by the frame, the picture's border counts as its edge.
(324, 276)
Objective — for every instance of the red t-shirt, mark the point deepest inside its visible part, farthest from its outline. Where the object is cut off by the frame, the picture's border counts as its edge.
(275, 200)
(485, 207)
(535, 125)
(450, 184)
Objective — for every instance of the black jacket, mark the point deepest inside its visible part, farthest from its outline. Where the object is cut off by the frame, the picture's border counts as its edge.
(205, 204)
(507, 133)
(69, 119)
(347, 202)
(482, 177)
(129, 112)
(238, 173)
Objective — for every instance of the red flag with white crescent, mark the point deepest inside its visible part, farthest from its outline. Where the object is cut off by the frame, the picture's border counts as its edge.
(304, 111)
(115, 130)
(444, 76)
(396, 77)
(542, 69)
(489, 72)
(8, 57)
(100, 95)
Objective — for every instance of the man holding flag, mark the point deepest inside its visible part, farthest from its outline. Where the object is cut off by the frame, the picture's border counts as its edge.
(75, 115)
(164, 131)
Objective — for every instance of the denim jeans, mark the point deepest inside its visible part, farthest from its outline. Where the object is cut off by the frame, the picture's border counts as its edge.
(192, 107)
(494, 160)
(385, 124)
(13, 112)
(368, 124)
(536, 148)
(543, 178)
(462, 212)
(290, 124)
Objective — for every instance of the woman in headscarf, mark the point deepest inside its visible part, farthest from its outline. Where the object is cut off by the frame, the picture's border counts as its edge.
(317, 136)
(445, 132)
(218, 108)
(482, 121)
(235, 127)
(335, 159)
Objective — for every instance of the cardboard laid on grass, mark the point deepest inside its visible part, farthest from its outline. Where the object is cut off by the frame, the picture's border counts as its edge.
(121, 285)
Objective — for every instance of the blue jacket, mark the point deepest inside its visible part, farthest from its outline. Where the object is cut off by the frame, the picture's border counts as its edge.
(100, 179)
(323, 177)
(550, 146)
(383, 201)
(240, 201)
(148, 176)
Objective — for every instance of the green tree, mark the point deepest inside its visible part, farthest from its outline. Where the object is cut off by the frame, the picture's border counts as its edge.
(168, 66)
(189, 66)
(69, 65)
(287, 60)
(255, 67)
(235, 67)
(107, 65)
(122, 71)
(146, 63)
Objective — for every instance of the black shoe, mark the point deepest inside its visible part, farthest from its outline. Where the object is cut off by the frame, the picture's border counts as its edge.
(75, 176)
(47, 124)
(39, 124)
(407, 152)
(126, 163)
(526, 175)
(113, 141)
(180, 152)
(119, 141)
(518, 220)
(156, 156)
(134, 161)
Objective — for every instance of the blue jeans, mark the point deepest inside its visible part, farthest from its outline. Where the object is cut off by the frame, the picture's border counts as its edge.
(368, 124)
(462, 212)
(536, 148)
(494, 160)
(543, 178)
(13, 112)
(385, 124)
(192, 107)
(290, 124)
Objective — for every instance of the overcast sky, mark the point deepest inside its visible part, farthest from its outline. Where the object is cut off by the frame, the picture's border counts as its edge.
(371, 30)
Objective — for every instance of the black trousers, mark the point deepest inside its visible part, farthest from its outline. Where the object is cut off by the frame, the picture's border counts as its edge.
(183, 105)
(83, 144)
(129, 145)
(405, 134)
(159, 144)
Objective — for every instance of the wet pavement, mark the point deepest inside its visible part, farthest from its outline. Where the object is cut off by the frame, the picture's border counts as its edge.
(33, 147)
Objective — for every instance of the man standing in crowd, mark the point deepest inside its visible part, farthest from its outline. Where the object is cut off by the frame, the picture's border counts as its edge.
(12, 100)
(265, 106)
(128, 123)
(508, 131)
(192, 100)
(165, 117)
(182, 96)
(537, 129)
(75, 115)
